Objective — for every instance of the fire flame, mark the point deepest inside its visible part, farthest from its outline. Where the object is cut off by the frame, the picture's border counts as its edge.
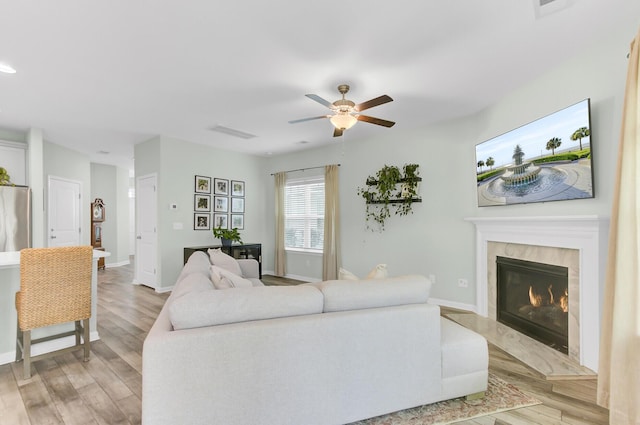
(564, 301)
(537, 300)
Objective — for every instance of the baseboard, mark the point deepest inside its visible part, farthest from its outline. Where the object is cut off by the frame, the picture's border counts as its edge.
(47, 347)
(453, 304)
(119, 264)
(302, 278)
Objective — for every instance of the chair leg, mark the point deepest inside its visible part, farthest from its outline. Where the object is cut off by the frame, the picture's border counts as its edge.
(87, 342)
(78, 331)
(19, 343)
(26, 353)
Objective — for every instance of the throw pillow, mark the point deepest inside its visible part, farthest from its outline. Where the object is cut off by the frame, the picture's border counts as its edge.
(346, 275)
(216, 278)
(378, 272)
(222, 260)
(233, 280)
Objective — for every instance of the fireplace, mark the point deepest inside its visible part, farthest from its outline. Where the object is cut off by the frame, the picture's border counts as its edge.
(533, 298)
(576, 242)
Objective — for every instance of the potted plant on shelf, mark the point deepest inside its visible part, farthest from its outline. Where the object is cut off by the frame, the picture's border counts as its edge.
(227, 236)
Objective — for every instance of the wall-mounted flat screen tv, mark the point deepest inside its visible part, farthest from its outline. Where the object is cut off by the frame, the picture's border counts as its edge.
(549, 159)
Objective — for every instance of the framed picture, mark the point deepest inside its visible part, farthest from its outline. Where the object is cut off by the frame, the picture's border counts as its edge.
(237, 205)
(220, 204)
(220, 187)
(202, 184)
(237, 221)
(237, 188)
(202, 203)
(220, 221)
(201, 221)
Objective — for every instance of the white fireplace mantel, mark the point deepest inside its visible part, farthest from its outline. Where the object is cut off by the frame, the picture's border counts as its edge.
(586, 233)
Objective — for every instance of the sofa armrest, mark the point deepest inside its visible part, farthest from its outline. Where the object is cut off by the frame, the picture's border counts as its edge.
(249, 268)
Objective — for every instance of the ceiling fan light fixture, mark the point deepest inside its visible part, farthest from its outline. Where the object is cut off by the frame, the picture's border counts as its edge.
(343, 120)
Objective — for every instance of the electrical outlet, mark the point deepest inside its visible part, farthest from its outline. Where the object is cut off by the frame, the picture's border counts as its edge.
(463, 283)
(432, 278)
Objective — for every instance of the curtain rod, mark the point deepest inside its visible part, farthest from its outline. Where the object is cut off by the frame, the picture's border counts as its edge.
(303, 169)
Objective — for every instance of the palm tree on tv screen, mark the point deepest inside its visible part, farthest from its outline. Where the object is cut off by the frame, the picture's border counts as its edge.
(553, 144)
(490, 162)
(579, 134)
(480, 165)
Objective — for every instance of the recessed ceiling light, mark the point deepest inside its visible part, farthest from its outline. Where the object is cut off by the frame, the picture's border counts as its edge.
(104, 152)
(7, 69)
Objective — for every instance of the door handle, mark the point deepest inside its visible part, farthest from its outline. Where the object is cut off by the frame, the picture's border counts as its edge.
(138, 237)
(53, 237)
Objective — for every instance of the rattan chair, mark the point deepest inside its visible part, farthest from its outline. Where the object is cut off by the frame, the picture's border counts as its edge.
(55, 287)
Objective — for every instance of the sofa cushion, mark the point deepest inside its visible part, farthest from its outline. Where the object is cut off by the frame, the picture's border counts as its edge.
(210, 308)
(216, 278)
(378, 272)
(233, 280)
(344, 274)
(340, 295)
(198, 262)
(463, 351)
(194, 282)
(224, 261)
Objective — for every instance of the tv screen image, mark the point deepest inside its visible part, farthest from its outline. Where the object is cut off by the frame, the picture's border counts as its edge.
(546, 160)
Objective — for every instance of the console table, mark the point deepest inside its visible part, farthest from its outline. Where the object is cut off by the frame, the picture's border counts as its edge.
(246, 250)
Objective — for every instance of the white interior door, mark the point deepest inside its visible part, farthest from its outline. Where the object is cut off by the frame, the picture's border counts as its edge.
(64, 212)
(146, 230)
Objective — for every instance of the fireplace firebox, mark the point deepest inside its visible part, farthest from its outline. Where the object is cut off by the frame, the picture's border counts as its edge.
(533, 298)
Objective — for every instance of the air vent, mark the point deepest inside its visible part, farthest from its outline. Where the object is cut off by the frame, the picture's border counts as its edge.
(544, 8)
(232, 132)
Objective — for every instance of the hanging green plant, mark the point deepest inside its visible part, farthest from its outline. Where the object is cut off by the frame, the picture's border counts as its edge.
(390, 187)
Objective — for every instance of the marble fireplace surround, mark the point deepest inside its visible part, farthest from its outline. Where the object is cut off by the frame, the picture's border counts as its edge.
(576, 242)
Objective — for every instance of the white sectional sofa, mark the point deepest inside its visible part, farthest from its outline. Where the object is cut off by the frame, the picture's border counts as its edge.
(328, 353)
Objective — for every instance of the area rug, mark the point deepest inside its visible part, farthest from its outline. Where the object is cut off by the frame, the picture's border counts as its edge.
(500, 396)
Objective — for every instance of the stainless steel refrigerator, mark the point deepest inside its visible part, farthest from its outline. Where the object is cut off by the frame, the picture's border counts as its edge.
(15, 218)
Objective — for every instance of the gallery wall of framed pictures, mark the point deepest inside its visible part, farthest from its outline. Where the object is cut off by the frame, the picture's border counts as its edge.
(218, 203)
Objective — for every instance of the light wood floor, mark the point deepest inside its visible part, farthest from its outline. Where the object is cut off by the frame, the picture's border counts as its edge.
(107, 389)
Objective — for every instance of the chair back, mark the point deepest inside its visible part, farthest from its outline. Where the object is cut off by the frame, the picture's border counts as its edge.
(55, 286)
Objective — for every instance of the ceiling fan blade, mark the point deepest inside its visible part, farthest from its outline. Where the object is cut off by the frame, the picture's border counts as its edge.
(377, 121)
(373, 102)
(320, 100)
(308, 119)
(337, 132)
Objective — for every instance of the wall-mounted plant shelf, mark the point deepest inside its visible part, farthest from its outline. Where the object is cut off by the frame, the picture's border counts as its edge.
(403, 180)
(395, 201)
(390, 187)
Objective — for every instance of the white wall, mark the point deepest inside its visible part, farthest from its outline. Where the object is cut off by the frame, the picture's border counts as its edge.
(177, 163)
(436, 239)
(69, 164)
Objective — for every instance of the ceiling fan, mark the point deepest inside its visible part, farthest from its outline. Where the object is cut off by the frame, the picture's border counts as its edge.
(346, 113)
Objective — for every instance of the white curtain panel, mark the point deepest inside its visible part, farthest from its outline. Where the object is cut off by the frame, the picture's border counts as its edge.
(331, 246)
(619, 369)
(280, 259)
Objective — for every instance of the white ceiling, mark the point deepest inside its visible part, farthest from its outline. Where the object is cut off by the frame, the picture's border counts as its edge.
(105, 75)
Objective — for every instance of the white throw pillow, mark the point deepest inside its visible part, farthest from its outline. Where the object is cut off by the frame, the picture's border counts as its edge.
(216, 278)
(233, 280)
(378, 272)
(346, 275)
(222, 260)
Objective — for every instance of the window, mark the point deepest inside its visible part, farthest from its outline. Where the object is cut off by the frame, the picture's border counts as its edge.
(304, 214)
